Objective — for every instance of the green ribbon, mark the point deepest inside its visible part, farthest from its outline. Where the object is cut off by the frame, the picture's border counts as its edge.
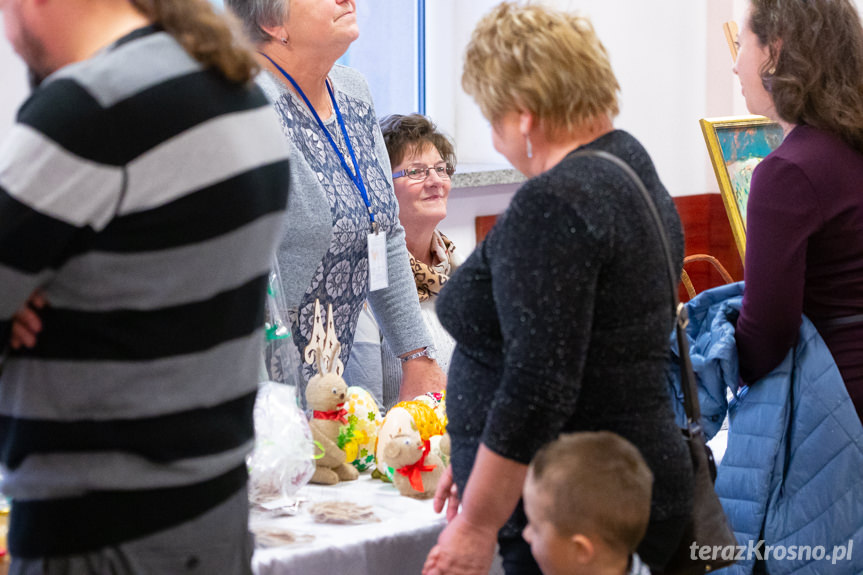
(276, 331)
(321, 447)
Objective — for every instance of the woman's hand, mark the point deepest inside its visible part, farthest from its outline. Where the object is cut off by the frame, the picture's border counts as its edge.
(419, 376)
(466, 546)
(446, 494)
(462, 549)
(26, 323)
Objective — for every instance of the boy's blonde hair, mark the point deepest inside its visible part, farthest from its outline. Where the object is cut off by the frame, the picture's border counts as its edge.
(597, 484)
(547, 62)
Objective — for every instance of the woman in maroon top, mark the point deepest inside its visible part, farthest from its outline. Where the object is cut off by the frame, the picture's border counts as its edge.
(801, 64)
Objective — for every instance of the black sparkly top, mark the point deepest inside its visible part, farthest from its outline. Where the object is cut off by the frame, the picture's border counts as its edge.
(562, 321)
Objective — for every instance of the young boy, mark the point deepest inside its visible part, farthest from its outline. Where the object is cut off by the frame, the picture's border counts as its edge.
(587, 500)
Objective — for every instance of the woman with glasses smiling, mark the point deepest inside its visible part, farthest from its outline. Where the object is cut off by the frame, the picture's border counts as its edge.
(423, 161)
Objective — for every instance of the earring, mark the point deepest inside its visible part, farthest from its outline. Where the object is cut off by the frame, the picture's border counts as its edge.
(529, 146)
(284, 40)
(772, 70)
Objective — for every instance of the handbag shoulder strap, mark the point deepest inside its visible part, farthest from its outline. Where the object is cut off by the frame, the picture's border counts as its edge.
(687, 383)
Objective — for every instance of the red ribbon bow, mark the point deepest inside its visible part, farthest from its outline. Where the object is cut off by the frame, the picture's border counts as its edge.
(414, 471)
(340, 414)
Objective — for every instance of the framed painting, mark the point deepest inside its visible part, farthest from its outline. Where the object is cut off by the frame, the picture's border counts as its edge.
(736, 145)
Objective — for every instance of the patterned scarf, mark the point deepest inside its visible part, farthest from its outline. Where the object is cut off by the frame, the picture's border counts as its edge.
(430, 279)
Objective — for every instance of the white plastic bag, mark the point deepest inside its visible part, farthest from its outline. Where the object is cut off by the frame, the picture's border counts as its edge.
(282, 461)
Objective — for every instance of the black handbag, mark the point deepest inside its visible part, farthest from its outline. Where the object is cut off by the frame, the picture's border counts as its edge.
(708, 526)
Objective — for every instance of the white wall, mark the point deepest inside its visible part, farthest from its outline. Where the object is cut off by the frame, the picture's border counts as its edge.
(465, 205)
(658, 51)
(670, 57)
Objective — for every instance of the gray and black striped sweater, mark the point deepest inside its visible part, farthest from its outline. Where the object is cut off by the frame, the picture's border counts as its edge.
(144, 196)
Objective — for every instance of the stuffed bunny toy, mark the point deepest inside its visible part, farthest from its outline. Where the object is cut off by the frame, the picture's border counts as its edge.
(325, 395)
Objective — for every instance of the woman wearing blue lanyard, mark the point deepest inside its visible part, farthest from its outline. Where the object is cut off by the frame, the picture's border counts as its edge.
(342, 212)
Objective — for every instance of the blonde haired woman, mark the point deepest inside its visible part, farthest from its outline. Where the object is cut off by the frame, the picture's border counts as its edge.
(561, 316)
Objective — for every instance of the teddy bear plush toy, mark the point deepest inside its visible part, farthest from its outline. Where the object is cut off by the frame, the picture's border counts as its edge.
(325, 395)
(417, 469)
(406, 443)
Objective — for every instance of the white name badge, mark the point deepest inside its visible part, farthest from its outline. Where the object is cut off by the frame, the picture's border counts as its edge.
(378, 277)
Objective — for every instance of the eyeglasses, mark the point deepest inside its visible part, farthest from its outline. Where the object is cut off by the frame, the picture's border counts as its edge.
(419, 172)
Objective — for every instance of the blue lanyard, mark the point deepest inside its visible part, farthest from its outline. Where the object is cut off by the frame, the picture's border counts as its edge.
(355, 176)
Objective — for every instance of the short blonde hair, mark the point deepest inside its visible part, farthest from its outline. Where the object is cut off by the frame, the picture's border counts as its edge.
(547, 62)
(595, 483)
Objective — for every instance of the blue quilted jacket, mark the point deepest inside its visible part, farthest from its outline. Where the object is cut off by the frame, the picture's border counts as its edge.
(793, 468)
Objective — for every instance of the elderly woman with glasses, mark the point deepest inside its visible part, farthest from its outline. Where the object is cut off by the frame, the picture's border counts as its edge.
(342, 212)
(423, 160)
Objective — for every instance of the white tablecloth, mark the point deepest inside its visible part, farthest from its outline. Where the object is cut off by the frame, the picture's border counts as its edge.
(397, 545)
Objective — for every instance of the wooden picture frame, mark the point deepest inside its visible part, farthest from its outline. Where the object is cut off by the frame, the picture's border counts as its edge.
(736, 145)
(731, 32)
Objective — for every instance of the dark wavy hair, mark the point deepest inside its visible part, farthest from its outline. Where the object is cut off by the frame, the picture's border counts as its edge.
(815, 69)
(405, 135)
(205, 35)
